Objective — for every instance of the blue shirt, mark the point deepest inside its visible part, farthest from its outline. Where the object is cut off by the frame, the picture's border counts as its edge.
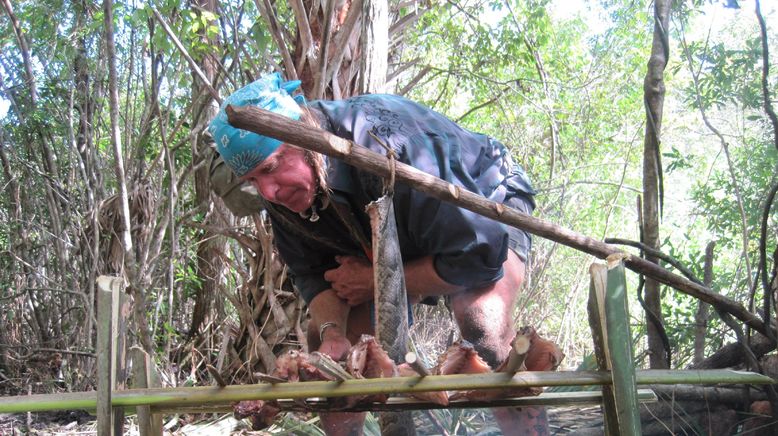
(468, 249)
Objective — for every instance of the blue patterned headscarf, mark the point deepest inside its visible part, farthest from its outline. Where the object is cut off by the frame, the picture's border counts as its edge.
(243, 150)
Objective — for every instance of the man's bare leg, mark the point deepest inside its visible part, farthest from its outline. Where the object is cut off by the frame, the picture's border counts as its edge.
(485, 317)
(344, 423)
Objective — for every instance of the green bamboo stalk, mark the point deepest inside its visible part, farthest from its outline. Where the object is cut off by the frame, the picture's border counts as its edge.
(619, 342)
(202, 395)
(578, 398)
(701, 377)
(597, 324)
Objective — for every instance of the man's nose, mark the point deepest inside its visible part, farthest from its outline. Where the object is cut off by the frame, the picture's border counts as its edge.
(265, 188)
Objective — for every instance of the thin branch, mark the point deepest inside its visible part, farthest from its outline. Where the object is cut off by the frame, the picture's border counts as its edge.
(483, 105)
(416, 79)
(730, 166)
(22, 40)
(768, 107)
(763, 254)
(192, 64)
(342, 38)
(304, 26)
(593, 182)
(656, 253)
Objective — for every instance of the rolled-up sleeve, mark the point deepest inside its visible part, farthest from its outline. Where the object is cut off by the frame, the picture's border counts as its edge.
(468, 249)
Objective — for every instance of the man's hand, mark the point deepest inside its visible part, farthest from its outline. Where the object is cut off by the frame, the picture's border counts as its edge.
(335, 345)
(352, 281)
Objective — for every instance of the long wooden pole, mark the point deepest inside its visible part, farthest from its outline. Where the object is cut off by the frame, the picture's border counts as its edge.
(204, 395)
(267, 123)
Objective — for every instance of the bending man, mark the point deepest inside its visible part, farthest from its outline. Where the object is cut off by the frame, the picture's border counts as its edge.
(317, 208)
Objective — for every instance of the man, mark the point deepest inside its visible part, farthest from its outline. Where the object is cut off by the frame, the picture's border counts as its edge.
(316, 205)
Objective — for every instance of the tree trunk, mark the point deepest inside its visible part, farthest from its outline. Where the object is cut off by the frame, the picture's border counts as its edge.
(375, 46)
(703, 308)
(654, 90)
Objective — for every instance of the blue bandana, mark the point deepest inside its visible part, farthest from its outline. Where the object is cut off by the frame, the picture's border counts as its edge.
(243, 150)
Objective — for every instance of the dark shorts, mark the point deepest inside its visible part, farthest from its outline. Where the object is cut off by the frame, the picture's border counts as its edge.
(518, 240)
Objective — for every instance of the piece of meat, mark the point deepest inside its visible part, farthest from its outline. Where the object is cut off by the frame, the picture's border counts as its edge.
(367, 359)
(543, 355)
(439, 397)
(262, 413)
(461, 358)
(292, 366)
(296, 366)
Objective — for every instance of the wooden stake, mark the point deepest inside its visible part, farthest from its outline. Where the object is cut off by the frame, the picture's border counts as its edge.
(413, 360)
(519, 348)
(104, 370)
(144, 376)
(215, 374)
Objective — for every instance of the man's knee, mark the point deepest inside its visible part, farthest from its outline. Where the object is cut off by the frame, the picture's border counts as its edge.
(485, 315)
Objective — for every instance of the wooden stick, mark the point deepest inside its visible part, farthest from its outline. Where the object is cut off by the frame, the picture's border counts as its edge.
(215, 374)
(519, 348)
(268, 378)
(413, 360)
(104, 346)
(284, 129)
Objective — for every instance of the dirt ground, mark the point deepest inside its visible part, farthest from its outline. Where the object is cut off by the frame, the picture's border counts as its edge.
(562, 421)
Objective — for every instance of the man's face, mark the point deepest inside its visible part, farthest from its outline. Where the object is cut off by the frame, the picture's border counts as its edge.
(285, 178)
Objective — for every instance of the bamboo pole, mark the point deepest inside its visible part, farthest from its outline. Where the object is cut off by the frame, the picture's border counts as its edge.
(619, 342)
(284, 129)
(145, 376)
(102, 399)
(598, 326)
(203, 395)
(577, 398)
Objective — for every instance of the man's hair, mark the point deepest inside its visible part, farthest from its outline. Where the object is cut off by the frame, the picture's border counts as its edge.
(316, 160)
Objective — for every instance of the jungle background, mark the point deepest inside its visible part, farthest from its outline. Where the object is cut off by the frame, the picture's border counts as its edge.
(105, 162)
